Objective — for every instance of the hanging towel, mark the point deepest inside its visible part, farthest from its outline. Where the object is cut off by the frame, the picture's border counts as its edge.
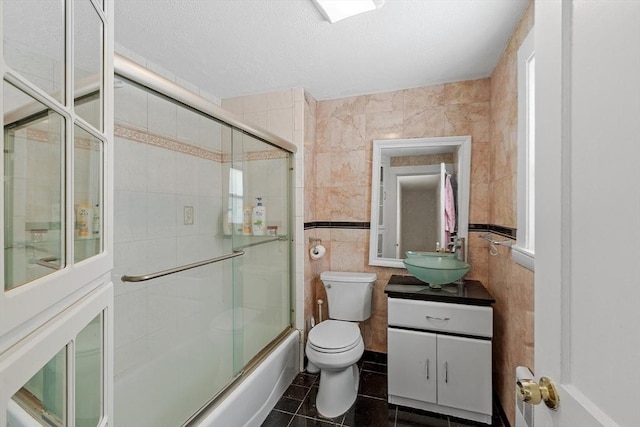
(449, 208)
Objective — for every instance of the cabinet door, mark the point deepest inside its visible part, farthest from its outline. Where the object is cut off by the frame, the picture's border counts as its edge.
(412, 364)
(464, 373)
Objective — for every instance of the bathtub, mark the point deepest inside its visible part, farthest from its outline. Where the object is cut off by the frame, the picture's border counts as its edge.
(246, 405)
(252, 400)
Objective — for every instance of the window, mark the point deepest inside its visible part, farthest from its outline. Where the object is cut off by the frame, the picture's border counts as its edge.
(524, 249)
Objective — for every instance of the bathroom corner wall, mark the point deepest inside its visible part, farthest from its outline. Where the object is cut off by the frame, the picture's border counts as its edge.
(311, 272)
(509, 283)
(283, 113)
(345, 132)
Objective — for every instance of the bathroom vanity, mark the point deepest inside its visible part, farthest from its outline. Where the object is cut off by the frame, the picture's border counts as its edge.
(439, 347)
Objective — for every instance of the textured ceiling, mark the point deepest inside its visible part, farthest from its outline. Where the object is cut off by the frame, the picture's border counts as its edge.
(237, 47)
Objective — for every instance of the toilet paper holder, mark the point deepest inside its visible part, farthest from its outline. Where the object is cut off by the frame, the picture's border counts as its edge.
(315, 242)
(317, 250)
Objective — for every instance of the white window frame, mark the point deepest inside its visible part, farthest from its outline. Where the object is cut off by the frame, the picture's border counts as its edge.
(523, 252)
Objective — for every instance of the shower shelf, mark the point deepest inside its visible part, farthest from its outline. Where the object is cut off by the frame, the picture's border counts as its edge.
(262, 241)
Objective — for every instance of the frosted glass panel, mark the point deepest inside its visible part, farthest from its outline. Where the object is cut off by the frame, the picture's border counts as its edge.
(89, 374)
(33, 195)
(87, 194)
(33, 39)
(44, 397)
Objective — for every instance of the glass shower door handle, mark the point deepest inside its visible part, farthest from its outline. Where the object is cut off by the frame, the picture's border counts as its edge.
(151, 276)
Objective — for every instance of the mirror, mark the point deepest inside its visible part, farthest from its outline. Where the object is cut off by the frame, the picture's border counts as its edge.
(409, 209)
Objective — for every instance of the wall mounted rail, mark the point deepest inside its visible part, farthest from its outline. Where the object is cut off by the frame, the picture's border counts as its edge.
(140, 75)
(151, 276)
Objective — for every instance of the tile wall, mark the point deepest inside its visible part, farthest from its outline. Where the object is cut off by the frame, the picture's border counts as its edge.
(509, 283)
(345, 132)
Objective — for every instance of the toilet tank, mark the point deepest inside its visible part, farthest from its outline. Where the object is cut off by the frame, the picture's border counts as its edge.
(348, 294)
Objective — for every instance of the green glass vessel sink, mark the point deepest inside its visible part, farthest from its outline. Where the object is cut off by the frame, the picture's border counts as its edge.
(415, 254)
(436, 270)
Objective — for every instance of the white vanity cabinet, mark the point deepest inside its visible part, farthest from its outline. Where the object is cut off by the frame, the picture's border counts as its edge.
(439, 357)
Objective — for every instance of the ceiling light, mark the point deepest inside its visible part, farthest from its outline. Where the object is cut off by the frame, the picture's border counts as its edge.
(337, 10)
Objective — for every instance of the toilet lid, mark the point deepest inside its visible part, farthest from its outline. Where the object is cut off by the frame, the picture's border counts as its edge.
(334, 336)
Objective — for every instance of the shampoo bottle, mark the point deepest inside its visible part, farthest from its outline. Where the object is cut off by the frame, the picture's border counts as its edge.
(85, 216)
(258, 219)
(246, 221)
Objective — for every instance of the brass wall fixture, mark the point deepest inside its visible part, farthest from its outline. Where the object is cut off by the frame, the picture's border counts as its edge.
(531, 392)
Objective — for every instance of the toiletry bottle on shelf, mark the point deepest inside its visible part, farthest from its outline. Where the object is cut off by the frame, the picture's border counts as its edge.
(85, 216)
(227, 225)
(258, 219)
(246, 221)
(95, 231)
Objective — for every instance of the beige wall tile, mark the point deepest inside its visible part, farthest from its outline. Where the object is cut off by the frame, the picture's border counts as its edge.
(281, 122)
(323, 169)
(422, 98)
(468, 119)
(348, 204)
(422, 123)
(347, 256)
(347, 133)
(348, 169)
(280, 99)
(341, 107)
(384, 102)
(349, 235)
(480, 162)
(467, 92)
(384, 125)
(252, 103)
(504, 201)
(479, 203)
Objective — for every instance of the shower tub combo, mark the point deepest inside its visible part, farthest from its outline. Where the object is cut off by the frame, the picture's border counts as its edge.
(203, 306)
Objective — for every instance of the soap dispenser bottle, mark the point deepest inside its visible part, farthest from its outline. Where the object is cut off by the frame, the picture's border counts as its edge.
(258, 219)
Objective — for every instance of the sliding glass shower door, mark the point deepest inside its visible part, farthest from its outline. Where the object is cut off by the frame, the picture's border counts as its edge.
(185, 189)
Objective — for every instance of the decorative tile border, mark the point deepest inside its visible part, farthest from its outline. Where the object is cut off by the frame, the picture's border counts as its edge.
(497, 229)
(40, 135)
(508, 232)
(337, 224)
(137, 135)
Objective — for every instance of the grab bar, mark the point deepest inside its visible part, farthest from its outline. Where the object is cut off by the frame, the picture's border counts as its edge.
(146, 277)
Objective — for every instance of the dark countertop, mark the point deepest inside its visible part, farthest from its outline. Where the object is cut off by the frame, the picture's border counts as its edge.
(410, 287)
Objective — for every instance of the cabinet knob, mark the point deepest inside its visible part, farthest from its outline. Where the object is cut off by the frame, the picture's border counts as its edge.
(531, 392)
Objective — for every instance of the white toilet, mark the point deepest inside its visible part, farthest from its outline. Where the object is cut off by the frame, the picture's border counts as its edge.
(335, 345)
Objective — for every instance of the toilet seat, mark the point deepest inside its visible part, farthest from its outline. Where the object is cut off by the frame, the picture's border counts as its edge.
(334, 336)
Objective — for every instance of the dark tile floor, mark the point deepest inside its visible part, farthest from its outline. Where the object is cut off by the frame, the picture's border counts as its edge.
(296, 408)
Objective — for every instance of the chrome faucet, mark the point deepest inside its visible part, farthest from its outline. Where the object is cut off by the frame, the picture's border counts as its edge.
(457, 248)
